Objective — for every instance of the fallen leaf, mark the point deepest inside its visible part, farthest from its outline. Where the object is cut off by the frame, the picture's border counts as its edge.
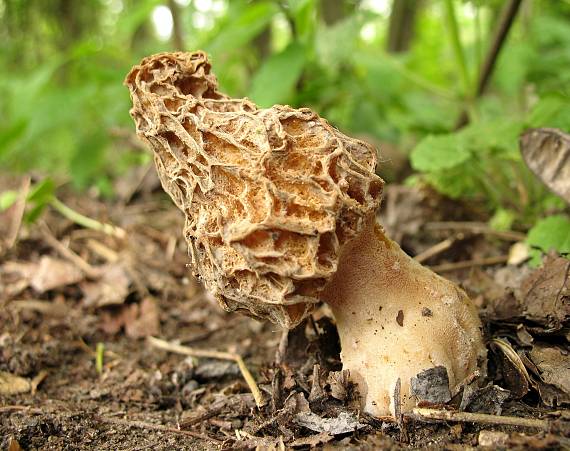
(344, 423)
(215, 369)
(138, 320)
(142, 319)
(489, 399)
(554, 368)
(515, 376)
(111, 289)
(545, 293)
(54, 273)
(546, 151)
(340, 384)
(10, 384)
(13, 445)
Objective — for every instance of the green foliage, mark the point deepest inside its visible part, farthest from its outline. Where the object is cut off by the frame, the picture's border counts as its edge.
(275, 80)
(39, 197)
(7, 199)
(549, 234)
(64, 62)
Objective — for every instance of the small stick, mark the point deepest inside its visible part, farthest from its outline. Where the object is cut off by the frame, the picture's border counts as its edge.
(37, 380)
(185, 350)
(102, 251)
(483, 418)
(154, 427)
(38, 305)
(434, 250)
(475, 227)
(488, 261)
(67, 253)
(211, 413)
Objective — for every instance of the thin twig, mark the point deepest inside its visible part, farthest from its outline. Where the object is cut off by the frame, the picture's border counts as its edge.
(483, 418)
(38, 305)
(67, 253)
(24, 409)
(185, 350)
(434, 250)
(475, 227)
(487, 261)
(155, 427)
(192, 421)
(102, 251)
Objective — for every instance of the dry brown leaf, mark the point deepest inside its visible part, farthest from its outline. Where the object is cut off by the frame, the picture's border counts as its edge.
(54, 273)
(546, 151)
(344, 423)
(139, 320)
(545, 293)
(554, 367)
(10, 384)
(142, 319)
(111, 289)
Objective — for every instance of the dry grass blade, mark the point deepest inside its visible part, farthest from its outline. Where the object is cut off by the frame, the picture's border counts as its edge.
(185, 350)
(470, 263)
(475, 227)
(482, 418)
(67, 253)
(155, 427)
(434, 250)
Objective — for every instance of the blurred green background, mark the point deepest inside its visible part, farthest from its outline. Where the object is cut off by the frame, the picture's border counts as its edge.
(395, 72)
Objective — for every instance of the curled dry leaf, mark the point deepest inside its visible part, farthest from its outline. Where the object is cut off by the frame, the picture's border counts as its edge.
(545, 293)
(111, 289)
(344, 423)
(515, 376)
(10, 384)
(554, 367)
(54, 273)
(546, 151)
(489, 399)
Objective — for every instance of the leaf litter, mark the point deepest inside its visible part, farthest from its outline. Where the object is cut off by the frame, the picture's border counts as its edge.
(144, 396)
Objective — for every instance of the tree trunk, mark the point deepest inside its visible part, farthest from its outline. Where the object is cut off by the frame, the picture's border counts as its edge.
(402, 25)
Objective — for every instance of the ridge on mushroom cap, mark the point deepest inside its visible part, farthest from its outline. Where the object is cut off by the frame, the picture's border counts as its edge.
(270, 195)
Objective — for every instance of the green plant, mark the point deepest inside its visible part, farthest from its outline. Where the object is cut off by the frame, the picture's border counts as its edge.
(549, 234)
(42, 195)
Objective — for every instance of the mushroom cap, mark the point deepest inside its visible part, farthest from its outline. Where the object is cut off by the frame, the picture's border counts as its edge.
(270, 195)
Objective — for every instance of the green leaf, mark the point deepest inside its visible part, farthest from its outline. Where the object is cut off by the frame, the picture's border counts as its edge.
(503, 219)
(87, 162)
(251, 20)
(7, 199)
(11, 134)
(276, 79)
(42, 192)
(436, 153)
(549, 234)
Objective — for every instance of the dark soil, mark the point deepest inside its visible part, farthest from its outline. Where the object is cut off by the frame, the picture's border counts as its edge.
(146, 398)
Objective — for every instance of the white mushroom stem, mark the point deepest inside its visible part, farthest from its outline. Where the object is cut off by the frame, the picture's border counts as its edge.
(396, 319)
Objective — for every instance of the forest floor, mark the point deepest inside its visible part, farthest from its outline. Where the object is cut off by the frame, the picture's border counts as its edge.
(79, 371)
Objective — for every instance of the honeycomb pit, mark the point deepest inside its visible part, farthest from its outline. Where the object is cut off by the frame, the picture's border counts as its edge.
(280, 215)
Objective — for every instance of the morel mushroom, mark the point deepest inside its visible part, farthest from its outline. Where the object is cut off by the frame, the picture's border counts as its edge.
(280, 215)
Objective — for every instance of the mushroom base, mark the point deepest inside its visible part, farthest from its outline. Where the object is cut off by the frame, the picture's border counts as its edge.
(396, 319)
